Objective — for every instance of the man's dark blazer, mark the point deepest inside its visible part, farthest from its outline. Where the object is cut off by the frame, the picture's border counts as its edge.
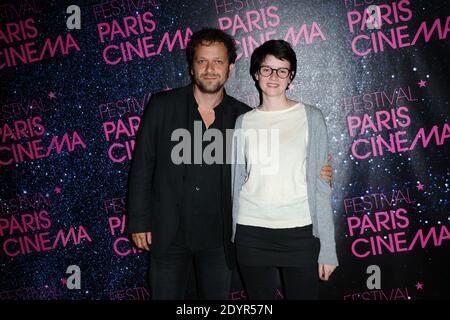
(155, 183)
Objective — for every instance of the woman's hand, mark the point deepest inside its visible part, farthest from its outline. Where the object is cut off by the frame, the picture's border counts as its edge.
(325, 270)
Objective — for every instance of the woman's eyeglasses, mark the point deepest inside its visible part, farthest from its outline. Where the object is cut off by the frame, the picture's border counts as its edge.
(267, 71)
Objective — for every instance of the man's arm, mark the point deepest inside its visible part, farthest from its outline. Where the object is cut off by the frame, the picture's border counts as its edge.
(140, 178)
(326, 172)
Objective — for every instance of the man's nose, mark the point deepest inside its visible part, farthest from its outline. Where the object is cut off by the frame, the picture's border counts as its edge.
(209, 66)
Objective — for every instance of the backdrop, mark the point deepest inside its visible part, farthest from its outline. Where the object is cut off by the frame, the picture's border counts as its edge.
(75, 81)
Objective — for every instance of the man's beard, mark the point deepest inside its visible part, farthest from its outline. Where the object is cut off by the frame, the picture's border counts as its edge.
(212, 88)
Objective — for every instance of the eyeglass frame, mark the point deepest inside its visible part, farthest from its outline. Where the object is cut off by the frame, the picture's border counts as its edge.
(272, 70)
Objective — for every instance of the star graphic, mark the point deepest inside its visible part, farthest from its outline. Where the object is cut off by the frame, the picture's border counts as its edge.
(422, 83)
(419, 286)
(58, 190)
(419, 186)
(291, 86)
(52, 95)
(63, 281)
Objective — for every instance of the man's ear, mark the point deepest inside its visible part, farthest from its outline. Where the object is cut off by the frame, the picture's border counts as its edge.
(231, 67)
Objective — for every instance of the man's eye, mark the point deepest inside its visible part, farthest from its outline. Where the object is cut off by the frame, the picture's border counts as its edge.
(219, 62)
(200, 61)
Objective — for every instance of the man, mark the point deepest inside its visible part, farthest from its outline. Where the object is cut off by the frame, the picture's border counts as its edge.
(182, 213)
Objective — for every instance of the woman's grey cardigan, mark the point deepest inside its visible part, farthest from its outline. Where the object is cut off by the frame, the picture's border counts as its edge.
(319, 192)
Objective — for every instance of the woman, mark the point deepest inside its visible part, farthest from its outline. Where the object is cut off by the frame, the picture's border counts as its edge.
(282, 218)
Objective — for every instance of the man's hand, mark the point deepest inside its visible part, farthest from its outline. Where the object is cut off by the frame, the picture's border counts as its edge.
(142, 240)
(325, 270)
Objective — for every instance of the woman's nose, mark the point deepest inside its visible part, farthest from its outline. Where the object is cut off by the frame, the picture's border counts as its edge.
(274, 75)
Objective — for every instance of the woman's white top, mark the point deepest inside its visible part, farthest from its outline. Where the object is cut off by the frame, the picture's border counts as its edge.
(274, 194)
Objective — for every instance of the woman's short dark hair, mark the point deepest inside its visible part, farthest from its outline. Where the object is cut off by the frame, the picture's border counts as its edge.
(280, 49)
(209, 36)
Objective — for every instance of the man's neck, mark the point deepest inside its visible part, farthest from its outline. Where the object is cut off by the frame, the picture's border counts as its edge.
(208, 100)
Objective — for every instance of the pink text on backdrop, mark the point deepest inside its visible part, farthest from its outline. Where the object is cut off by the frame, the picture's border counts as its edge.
(122, 245)
(122, 107)
(139, 293)
(258, 26)
(20, 9)
(14, 51)
(109, 9)
(21, 243)
(232, 6)
(377, 201)
(31, 128)
(390, 240)
(120, 150)
(366, 146)
(31, 293)
(114, 205)
(382, 294)
(143, 45)
(397, 37)
(31, 202)
(382, 99)
(15, 110)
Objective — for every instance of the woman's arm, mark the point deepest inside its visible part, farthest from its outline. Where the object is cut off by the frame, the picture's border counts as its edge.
(324, 212)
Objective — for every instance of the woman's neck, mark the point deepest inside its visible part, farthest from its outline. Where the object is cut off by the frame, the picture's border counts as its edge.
(276, 103)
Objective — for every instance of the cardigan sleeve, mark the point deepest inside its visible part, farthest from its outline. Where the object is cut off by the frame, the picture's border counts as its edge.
(324, 210)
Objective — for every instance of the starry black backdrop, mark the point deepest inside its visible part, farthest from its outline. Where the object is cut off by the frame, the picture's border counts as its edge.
(76, 184)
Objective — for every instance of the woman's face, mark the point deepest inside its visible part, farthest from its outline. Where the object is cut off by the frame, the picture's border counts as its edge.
(274, 85)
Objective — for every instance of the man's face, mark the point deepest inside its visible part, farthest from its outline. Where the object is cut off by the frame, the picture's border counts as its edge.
(211, 68)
